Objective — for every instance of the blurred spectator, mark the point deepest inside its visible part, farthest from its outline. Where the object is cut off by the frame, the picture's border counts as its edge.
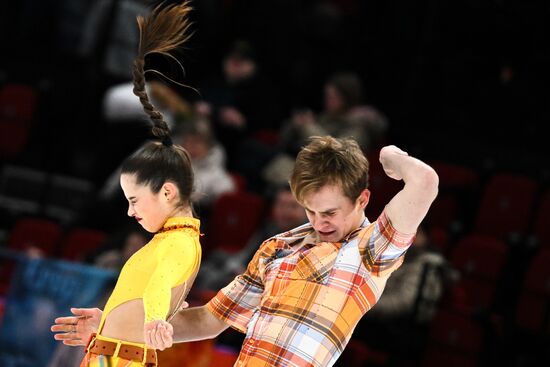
(221, 267)
(120, 247)
(242, 101)
(344, 115)
(242, 104)
(411, 296)
(120, 103)
(110, 35)
(208, 161)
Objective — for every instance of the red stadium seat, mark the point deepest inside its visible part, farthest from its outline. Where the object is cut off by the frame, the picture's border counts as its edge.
(506, 206)
(453, 341)
(80, 242)
(541, 228)
(40, 236)
(17, 107)
(480, 260)
(533, 309)
(235, 217)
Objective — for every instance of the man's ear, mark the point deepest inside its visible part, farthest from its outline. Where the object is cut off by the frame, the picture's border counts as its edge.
(364, 198)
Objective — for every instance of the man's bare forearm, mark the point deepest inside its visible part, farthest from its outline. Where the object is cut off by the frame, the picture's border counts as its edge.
(196, 323)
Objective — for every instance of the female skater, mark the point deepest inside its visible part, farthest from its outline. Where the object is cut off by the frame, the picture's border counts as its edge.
(157, 181)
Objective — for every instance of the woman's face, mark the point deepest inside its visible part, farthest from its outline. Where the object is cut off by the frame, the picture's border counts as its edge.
(149, 209)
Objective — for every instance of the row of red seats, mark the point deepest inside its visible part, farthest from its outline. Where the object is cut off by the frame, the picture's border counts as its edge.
(507, 206)
(49, 238)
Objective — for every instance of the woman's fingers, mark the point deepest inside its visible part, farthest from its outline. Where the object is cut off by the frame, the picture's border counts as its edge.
(66, 320)
(66, 328)
(73, 342)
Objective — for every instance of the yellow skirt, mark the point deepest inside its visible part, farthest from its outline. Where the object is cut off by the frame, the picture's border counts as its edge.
(92, 359)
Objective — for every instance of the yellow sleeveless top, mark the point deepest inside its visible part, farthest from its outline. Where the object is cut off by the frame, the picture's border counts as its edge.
(168, 260)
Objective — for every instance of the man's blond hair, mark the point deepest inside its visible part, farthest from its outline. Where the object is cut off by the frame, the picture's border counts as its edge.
(330, 161)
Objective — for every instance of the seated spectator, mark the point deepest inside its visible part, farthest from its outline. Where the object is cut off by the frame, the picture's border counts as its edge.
(119, 247)
(242, 104)
(208, 161)
(344, 115)
(120, 103)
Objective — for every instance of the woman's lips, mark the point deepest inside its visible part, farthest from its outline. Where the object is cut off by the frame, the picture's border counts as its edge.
(138, 219)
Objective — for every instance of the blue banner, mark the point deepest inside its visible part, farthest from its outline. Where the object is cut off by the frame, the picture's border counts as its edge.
(40, 291)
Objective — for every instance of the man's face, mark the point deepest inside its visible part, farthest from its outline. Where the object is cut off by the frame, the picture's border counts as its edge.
(332, 214)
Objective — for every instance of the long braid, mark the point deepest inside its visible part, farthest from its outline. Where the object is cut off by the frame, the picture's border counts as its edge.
(161, 32)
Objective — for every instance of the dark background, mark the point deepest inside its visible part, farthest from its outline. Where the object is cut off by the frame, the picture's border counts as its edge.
(437, 69)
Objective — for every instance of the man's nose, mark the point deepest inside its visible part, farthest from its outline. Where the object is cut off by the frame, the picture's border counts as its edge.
(318, 222)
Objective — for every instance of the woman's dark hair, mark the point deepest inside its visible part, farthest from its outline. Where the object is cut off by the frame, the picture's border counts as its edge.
(158, 162)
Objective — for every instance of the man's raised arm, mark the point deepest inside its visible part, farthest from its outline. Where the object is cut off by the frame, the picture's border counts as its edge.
(408, 207)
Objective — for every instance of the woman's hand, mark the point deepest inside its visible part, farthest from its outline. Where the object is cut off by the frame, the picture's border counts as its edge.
(76, 330)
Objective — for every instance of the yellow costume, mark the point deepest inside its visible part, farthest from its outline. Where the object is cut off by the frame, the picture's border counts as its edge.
(167, 261)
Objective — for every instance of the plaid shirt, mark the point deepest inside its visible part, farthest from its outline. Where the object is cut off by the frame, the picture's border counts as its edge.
(299, 300)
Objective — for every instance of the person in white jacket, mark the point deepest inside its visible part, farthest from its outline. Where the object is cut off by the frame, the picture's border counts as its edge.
(208, 159)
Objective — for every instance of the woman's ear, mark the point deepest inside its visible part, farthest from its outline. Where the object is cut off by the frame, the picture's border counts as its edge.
(169, 190)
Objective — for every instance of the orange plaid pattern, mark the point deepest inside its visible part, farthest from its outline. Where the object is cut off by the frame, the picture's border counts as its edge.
(300, 300)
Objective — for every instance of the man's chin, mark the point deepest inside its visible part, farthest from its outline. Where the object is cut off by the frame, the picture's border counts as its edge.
(330, 237)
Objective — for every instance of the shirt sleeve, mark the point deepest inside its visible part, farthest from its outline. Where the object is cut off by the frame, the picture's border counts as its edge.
(178, 257)
(384, 249)
(236, 303)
